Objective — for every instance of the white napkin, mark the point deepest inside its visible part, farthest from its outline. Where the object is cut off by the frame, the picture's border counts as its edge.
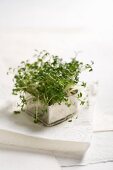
(103, 119)
(14, 158)
(100, 151)
(72, 136)
(19, 131)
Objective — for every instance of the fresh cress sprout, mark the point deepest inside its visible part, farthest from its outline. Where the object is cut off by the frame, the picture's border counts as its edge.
(49, 79)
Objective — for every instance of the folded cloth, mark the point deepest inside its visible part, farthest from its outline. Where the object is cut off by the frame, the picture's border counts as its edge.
(100, 151)
(14, 158)
(103, 119)
(73, 137)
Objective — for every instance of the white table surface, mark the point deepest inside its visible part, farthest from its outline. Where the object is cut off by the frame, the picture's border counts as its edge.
(103, 166)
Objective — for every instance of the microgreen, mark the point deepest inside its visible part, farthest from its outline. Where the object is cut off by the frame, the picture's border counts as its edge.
(49, 79)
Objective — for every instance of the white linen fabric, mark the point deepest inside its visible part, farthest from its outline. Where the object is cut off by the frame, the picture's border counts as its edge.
(100, 151)
(70, 137)
(21, 159)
